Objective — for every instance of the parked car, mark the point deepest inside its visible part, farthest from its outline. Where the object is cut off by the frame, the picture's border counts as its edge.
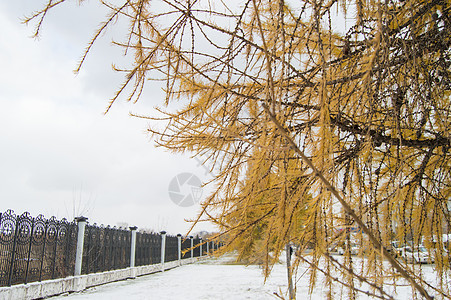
(417, 255)
(395, 248)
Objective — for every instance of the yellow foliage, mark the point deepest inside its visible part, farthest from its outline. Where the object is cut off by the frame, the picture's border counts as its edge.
(316, 122)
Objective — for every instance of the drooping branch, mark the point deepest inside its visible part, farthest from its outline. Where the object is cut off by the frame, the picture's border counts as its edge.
(376, 244)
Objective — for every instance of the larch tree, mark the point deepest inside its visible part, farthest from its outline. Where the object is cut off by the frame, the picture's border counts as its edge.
(318, 116)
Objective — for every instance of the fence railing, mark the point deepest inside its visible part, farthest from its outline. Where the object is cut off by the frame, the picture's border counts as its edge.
(105, 249)
(148, 249)
(36, 248)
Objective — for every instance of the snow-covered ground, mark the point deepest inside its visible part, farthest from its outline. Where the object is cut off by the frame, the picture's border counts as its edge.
(216, 278)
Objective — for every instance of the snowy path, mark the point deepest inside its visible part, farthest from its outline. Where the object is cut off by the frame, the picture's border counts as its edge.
(210, 279)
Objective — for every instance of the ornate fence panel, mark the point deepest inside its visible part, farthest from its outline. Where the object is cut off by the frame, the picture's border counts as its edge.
(186, 244)
(196, 243)
(66, 248)
(142, 252)
(105, 249)
(172, 248)
(204, 248)
(148, 249)
(210, 246)
(155, 249)
(34, 249)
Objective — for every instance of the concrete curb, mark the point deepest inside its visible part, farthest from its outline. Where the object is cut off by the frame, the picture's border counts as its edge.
(48, 288)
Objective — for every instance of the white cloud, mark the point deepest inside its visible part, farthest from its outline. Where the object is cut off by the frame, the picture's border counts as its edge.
(59, 155)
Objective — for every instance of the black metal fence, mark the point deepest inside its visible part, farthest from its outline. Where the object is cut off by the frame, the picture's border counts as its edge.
(36, 248)
(105, 249)
(186, 245)
(206, 246)
(172, 248)
(148, 249)
(196, 242)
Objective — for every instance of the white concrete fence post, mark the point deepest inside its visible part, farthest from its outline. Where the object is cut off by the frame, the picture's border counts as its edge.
(192, 250)
(208, 250)
(133, 246)
(200, 247)
(81, 222)
(179, 248)
(163, 248)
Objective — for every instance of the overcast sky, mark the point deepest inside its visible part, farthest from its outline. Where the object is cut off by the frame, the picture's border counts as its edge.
(59, 155)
